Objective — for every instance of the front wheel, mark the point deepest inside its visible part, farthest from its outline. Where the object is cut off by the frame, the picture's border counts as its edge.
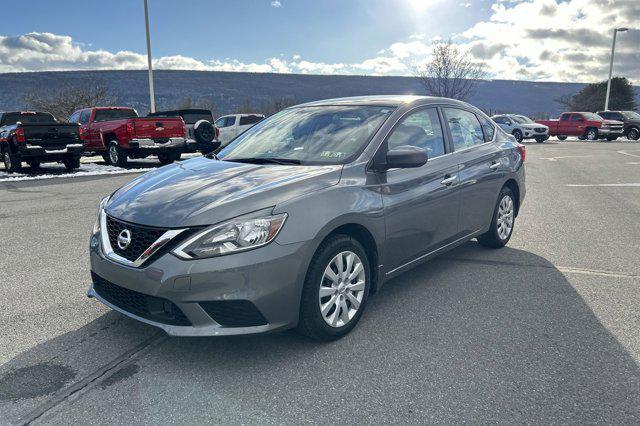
(591, 134)
(633, 134)
(335, 290)
(116, 156)
(504, 216)
(540, 139)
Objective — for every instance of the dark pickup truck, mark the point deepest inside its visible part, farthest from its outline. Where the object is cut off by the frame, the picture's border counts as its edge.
(631, 120)
(37, 137)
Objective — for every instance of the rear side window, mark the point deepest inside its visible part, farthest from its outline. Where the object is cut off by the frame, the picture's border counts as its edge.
(84, 116)
(501, 120)
(113, 114)
(421, 129)
(465, 128)
(27, 117)
(250, 119)
(488, 128)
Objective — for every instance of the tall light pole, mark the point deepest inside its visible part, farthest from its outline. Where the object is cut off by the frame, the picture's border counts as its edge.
(152, 98)
(613, 49)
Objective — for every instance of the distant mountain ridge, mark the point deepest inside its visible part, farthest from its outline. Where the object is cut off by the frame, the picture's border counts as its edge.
(229, 90)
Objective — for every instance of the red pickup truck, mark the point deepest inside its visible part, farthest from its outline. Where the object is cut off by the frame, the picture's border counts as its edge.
(585, 125)
(118, 133)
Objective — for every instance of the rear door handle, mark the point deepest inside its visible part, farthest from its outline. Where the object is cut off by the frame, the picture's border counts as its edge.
(449, 180)
(494, 165)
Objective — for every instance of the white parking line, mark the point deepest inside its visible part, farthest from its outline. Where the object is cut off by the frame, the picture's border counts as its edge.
(629, 154)
(566, 156)
(602, 184)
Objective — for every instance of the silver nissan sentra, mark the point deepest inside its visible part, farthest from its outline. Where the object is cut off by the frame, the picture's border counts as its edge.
(305, 215)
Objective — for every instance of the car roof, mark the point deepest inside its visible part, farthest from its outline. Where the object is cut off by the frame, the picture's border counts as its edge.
(382, 100)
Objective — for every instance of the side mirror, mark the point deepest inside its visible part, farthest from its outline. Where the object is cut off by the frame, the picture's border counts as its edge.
(405, 157)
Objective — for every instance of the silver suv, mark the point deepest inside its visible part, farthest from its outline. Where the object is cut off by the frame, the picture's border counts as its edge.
(305, 215)
(522, 127)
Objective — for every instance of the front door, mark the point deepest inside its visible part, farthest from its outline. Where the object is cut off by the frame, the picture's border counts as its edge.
(421, 204)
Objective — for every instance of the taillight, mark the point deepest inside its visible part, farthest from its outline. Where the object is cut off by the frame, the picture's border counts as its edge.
(217, 132)
(523, 151)
(20, 135)
(83, 133)
(131, 127)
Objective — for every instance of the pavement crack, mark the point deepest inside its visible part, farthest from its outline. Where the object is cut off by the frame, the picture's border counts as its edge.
(93, 379)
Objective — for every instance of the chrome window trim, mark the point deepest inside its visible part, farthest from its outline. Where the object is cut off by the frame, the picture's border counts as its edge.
(109, 253)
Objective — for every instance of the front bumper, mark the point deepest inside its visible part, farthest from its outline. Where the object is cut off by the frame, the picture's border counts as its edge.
(611, 131)
(270, 278)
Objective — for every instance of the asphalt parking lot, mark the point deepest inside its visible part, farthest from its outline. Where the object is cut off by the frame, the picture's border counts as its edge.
(542, 331)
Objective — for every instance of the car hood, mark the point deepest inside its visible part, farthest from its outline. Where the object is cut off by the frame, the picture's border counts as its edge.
(201, 191)
(616, 122)
(532, 125)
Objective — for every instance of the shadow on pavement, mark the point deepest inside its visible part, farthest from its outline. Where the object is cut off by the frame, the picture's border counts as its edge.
(473, 336)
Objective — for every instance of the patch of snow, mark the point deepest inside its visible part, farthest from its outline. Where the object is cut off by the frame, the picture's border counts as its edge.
(86, 169)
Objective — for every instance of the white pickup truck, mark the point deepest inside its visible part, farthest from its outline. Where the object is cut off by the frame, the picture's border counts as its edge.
(232, 125)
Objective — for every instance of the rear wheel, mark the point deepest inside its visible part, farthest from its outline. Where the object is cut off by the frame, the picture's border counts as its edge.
(504, 216)
(72, 162)
(169, 157)
(12, 162)
(518, 135)
(540, 139)
(116, 156)
(335, 290)
(562, 138)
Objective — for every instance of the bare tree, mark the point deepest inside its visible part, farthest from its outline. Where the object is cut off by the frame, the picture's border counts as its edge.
(64, 101)
(202, 103)
(277, 105)
(450, 73)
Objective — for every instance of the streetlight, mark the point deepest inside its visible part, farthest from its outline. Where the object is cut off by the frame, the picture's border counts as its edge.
(613, 48)
(152, 99)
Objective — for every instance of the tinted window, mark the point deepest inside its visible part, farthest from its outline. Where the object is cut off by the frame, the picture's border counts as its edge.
(219, 122)
(27, 117)
(421, 129)
(114, 114)
(193, 118)
(84, 116)
(250, 119)
(465, 128)
(488, 128)
(576, 117)
(565, 117)
(229, 121)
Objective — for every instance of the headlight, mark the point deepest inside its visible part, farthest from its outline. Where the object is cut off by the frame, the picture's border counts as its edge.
(96, 226)
(236, 235)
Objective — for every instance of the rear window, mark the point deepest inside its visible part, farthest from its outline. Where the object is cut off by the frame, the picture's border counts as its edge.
(114, 114)
(250, 119)
(27, 117)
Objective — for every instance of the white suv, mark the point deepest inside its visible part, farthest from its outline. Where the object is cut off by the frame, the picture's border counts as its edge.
(522, 127)
(234, 124)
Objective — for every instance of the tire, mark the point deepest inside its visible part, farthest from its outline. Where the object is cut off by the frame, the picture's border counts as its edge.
(204, 131)
(169, 157)
(540, 139)
(500, 232)
(562, 138)
(611, 138)
(12, 161)
(337, 299)
(633, 134)
(71, 163)
(34, 164)
(591, 134)
(116, 156)
(518, 135)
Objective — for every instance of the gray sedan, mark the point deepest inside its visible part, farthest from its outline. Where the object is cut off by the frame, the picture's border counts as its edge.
(304, 216)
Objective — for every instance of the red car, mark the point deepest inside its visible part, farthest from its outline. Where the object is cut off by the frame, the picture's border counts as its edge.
(117, 133)
(585, 125)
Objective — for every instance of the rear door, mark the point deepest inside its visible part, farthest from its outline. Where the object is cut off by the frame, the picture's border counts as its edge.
(480, 162)
(421, 204)
(564, 125)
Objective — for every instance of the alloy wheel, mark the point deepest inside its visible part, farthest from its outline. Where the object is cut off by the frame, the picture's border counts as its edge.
(592, 135)
(633, 134)
(342, 289)
(505, 217)
(113, 154)
(7, 161)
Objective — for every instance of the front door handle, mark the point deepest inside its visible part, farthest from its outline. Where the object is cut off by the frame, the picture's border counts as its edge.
(494, 165)
(449, 180)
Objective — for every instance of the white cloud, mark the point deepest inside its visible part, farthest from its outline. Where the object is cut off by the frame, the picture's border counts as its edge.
(557, 40)
(276, 4)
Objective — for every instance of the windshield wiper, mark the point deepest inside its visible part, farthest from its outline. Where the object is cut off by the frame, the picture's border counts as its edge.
(265, 160)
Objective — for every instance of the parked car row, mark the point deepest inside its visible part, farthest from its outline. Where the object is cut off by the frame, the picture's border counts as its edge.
(116, 133)
(609, 125)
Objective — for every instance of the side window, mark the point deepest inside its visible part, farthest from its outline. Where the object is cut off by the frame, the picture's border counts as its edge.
(220, 122)
(465, 128)
(501, 120)
(421, 129)
(84, 116)
(75, 117)
(488, 128)
(229, 121)
(576, 117)
(565, 117)
(249, 119)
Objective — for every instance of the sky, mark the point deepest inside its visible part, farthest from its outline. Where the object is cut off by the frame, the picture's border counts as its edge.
(539, 40)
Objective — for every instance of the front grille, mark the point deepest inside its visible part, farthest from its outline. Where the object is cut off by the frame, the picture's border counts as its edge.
(141, 238)
(540, 129)
(234, 313)
(145, 306)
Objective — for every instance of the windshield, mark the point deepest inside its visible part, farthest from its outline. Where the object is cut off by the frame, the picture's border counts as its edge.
(309, 135)
(27, 117)
(591, 116)
(522, 119)
(630, 115)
